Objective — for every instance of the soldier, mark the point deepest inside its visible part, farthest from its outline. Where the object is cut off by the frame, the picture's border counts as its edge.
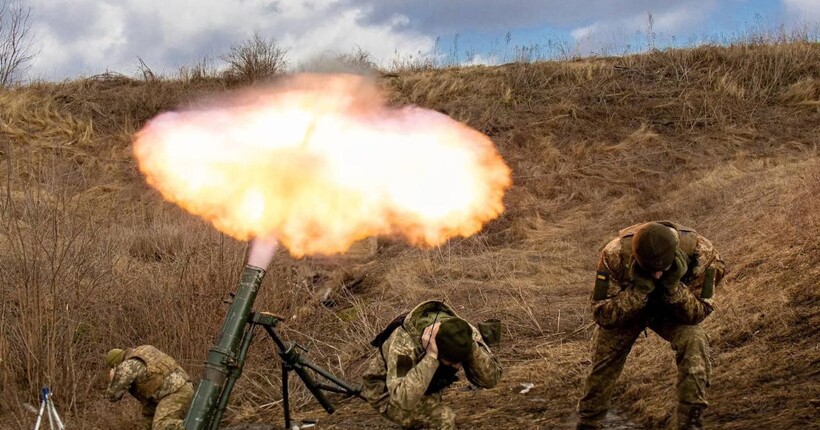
(153, 378)
(419, 356)
(659, 275)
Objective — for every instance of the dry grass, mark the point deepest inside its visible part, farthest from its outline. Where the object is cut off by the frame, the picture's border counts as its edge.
(722, 139)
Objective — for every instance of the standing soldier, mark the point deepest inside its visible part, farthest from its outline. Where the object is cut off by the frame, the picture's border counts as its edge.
(659, 275)
(419, 356)
(153, 378)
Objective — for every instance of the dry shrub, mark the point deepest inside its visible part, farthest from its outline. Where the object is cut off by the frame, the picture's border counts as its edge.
(256, 59)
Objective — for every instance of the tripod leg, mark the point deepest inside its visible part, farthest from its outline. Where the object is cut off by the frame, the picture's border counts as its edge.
(50, 416)
(312, 387)
(285, 405)
(40, 415)
(330, 377)
(57, 418)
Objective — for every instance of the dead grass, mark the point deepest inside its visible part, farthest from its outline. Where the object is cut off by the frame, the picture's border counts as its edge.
(722, 139)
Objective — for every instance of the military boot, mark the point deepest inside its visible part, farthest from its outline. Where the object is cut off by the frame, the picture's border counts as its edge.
(689, 417)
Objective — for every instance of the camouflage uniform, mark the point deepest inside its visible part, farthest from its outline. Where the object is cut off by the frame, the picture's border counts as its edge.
(158, 382)
(622, 313)
(397, 378)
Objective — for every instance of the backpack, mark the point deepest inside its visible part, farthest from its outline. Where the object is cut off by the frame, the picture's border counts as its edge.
(382, 337)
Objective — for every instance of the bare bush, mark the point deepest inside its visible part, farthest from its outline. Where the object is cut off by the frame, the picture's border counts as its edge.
(412, 63)
(255, 59)
(15, 40)
(358, 59)
(202, 71)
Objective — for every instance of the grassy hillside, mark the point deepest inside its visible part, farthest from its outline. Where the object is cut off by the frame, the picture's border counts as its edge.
(721, 139)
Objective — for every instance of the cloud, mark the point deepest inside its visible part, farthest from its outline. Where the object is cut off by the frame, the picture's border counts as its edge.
(609, 36)
(803, 10)
(86, 37)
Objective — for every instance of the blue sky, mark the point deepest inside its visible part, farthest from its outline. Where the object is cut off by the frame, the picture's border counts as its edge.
(715, 21)
(76, 38)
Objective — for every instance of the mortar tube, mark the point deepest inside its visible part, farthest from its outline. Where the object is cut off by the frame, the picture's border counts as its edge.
(223, 356)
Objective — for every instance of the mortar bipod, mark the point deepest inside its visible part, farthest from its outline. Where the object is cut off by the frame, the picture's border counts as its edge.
(291, 361)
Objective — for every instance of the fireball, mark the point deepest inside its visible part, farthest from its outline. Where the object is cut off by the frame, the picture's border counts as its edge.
(319, 162)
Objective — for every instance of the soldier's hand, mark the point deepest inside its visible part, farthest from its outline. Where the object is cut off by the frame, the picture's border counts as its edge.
(428, 339)
(111, 375)
(671, 278)
(643, 282)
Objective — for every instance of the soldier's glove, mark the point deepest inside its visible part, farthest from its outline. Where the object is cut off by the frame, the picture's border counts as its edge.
(671, 278)
(643, 282)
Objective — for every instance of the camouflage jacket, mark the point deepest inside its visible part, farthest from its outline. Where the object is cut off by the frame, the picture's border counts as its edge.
(148, 374)
(615, 301)
(400, 372)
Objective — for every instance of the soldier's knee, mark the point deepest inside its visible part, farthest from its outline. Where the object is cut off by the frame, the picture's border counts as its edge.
(692, 338)
(444, 418)
(692, 345)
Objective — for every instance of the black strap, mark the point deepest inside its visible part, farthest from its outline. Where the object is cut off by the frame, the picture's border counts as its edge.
(382, 337)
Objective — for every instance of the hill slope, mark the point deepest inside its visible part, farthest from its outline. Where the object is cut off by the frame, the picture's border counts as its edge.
(721, 139)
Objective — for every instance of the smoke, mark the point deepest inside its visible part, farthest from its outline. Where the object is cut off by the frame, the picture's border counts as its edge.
(330, 65)
(355, 63)
(261, 252)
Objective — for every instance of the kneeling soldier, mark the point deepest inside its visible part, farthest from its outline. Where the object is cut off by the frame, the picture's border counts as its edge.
(156, 380)
(419, 355)
(659, 275)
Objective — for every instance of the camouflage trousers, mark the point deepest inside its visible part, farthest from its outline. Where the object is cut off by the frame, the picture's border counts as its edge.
(611, 347)
(170, 411)
(430, 413)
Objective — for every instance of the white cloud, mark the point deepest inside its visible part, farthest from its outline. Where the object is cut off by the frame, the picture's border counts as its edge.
(85, 37)
(803, 10)
(341, 33)
(584, 32)
(482, 60)
(612, 36)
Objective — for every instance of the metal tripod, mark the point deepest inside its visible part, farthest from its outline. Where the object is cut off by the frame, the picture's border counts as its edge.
(47, 408)
(291, 361)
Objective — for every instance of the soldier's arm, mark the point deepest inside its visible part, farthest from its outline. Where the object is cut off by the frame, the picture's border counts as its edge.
(124, 375)
(482, 368)
(614, 300)
(691, 304)
(407, 380)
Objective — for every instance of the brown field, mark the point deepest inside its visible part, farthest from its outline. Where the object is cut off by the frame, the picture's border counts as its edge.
(721, 139)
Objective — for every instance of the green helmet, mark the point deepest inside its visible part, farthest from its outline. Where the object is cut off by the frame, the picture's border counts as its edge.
(454, 340)
(654, 247)
(114, 357)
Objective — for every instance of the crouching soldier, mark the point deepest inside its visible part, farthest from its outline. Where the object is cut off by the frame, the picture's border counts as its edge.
(419, 356)
(153, 378)
(659, 275)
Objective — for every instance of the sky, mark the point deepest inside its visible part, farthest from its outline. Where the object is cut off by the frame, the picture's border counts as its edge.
(80, 38)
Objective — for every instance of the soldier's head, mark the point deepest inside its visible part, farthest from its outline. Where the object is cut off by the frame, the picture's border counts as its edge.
(454, 341)
(654, 247)
(114, 357)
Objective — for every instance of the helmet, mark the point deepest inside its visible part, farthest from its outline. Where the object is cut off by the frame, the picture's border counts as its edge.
(454, 340)
(114, 357)
(654, 247)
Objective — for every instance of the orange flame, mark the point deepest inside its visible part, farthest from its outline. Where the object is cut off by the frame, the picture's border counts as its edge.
(320, 162)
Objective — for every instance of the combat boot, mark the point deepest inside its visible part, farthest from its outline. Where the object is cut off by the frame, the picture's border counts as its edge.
(689, 417)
